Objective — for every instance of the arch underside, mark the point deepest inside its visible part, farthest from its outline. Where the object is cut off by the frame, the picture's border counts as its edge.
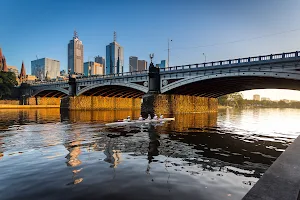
(50, 93)
(114, 91)
(221, 86)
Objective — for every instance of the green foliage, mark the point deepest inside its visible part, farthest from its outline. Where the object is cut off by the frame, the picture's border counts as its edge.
(7, 82)
(233, 100)
(236, 100)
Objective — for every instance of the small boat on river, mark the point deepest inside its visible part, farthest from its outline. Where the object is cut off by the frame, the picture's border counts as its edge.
(144, 121)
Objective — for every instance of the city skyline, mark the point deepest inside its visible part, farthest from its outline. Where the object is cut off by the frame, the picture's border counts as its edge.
(225, 30)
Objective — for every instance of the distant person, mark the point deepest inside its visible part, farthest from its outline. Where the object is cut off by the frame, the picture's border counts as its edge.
(161, 117)
(141, 118)
(149, 117)
(155, 117)
(127, 119)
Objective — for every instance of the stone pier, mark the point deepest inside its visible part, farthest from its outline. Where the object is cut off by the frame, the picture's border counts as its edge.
(100, 103)
(176, 104)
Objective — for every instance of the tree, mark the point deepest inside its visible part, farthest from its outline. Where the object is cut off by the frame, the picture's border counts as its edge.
(236, 99)
(7, 83)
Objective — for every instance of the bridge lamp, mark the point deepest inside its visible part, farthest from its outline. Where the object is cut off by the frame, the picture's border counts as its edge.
(204, 57)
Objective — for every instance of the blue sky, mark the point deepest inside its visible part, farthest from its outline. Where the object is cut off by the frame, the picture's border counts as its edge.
(44, 28)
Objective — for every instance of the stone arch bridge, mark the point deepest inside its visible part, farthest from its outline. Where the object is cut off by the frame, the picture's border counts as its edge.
(209, 80)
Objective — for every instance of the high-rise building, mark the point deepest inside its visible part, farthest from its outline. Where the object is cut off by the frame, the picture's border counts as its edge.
(114, 57)
(142, 65)
(101, 60)
(13, 69)
(256, 97)
(45, 66)
(163, 64)
(133, 63)
(75, 55)
(3, 66)
(93, 68)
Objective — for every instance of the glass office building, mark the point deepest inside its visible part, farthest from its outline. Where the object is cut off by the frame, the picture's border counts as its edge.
(114, 58)
(40, 67)
(75, 55)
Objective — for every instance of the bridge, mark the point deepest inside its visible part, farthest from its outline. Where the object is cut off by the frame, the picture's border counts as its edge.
(209, 80)
(212, 79)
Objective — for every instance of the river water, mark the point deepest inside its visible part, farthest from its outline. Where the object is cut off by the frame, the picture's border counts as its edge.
(45, 154)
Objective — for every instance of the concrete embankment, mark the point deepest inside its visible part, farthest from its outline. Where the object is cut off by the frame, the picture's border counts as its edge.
(282, 180)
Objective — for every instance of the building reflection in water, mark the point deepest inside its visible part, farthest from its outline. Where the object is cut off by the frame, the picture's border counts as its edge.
(73, 156)
(114, 157)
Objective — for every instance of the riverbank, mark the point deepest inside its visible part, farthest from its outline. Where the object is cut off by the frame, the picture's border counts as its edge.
(6, 106)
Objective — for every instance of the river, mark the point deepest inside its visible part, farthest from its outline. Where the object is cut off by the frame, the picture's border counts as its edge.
(45, 154)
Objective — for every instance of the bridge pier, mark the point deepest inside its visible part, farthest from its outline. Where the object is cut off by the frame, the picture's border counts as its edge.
(175, 104)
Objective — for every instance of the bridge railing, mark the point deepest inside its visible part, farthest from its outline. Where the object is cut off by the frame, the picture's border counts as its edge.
(112, 75)
(93, 77)
(47, 82)
(236, 61)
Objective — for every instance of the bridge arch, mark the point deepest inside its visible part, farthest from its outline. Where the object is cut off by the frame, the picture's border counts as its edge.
(115, 89)
(56, 91)
(215, 85)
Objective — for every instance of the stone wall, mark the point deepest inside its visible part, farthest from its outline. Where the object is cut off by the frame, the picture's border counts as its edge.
(174, 104)
(100, 103)
(43, 101)
(10, 102)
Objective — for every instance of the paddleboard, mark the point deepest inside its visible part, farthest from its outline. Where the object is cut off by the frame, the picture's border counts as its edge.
(133, 122)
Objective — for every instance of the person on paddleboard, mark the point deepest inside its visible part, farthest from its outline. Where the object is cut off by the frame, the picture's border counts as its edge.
(149, 117)
(140, 118)
(127, 119)
(155, 117)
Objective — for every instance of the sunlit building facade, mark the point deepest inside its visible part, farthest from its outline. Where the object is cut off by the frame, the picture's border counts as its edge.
(114, 58)
(45, 66)
(75, 55)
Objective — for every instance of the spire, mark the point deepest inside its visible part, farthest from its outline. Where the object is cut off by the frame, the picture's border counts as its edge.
(5, 69)
(75, 34)
(115, 36)
(23, 73)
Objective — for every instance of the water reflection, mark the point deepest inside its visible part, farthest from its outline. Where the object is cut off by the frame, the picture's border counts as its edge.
(203, 156)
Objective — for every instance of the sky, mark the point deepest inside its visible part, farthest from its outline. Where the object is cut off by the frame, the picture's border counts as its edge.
(219, 29)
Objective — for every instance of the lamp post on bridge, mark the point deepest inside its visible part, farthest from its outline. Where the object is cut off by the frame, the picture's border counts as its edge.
(204, 57)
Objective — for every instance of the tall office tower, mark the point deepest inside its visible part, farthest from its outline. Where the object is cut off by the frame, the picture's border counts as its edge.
(43, 66)
(3, 66)
(133, 64)
(114, 57)
(163, 64)
(75, 55)
(100, 59)
(142, 65)
(93, 68)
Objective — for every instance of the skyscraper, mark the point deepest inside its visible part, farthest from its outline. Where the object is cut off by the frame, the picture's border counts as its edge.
(40, 67)
(114, 57)
(75, 55)
(101, 60)
(93, 68)
(133, 63)
(142, 65)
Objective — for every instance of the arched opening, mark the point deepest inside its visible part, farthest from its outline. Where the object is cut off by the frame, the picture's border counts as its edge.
(114, 91)
(216, 87)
